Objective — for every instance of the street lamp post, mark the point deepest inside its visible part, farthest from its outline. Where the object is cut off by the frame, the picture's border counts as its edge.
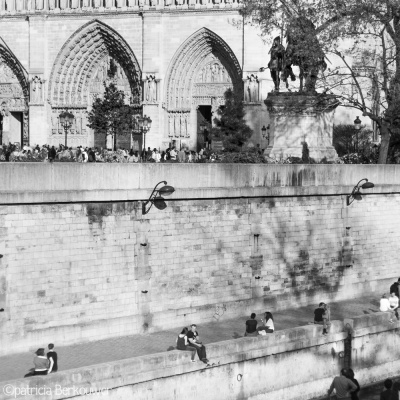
(357, 127)
(144, 124)
(66, 121)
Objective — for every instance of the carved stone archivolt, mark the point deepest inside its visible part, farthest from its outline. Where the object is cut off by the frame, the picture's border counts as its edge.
(201, 58)
(14, 92)
(78, 65)
(202, 70)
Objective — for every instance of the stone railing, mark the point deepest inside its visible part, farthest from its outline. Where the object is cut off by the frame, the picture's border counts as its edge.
(71, 6)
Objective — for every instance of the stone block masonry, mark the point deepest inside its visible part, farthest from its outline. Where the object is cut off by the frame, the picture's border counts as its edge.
(86, 264)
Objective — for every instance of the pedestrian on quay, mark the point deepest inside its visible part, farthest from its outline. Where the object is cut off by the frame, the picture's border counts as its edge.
(394, 304)
(394, 288)
(52, 357)
(387, 392)
(268, 326)
(342, 386)
(385, 307)
(183, 344)
(41, 363)
(251, 326)
(194, 340)
(350, 375)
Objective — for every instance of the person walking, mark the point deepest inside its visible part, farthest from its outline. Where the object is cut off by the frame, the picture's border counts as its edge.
(342, 386)
(183, 344)
(52, 357)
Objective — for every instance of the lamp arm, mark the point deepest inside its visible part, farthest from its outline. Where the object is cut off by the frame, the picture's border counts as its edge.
(358, 184)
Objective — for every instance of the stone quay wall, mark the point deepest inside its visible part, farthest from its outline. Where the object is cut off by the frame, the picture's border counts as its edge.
(293, 364)
(80, 261)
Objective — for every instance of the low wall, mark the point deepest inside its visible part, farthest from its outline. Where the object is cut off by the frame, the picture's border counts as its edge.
(296, 364)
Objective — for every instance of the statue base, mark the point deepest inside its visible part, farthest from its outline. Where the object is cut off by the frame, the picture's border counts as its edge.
(297, 117)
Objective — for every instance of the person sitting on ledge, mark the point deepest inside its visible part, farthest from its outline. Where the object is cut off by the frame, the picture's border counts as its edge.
(268, 327)
(320, 317)
(183, 344)
(251, 326)
(385, 307)
(194, 340)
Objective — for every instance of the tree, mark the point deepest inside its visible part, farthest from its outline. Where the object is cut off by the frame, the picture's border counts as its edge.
(374, 87)
(230, 126)
(347, 140)
(110, 116)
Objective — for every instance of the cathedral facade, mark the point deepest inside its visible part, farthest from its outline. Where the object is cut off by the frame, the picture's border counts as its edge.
(174, 59)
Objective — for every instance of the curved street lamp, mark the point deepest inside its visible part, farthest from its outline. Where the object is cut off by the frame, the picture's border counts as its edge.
(156, 198)
(66, 121)
(356, 194)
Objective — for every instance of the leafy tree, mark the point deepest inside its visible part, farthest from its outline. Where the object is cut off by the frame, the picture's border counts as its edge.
(373, 84)
(347, 140)
(110, 116)
(230, 126)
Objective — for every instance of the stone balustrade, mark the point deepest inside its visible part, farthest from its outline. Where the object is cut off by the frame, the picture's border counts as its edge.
(56, 6)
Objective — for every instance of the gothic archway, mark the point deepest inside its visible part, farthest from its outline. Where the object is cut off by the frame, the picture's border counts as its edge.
(80, 69)
(14, 97)
(203, 68)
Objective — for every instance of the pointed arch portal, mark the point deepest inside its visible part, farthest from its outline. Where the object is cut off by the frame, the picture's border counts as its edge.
(14, 97)
(203, 68)
(81, 68)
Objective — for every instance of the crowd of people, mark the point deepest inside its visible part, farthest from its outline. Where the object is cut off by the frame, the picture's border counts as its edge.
(47, 153)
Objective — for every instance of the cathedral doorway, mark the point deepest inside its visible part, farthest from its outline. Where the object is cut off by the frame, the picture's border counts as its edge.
(204, 125)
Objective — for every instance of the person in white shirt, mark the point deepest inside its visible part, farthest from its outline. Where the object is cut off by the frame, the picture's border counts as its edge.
(385, 307)
(394, 304)
(269, 324)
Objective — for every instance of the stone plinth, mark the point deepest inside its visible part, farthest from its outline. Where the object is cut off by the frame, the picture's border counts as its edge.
(296, 118)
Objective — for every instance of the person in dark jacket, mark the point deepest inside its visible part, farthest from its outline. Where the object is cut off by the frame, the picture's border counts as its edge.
(387, 393)
(350, 375)
(52, 154)
(394, 288)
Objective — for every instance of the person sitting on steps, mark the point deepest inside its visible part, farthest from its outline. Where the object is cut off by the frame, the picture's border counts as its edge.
(194, 340)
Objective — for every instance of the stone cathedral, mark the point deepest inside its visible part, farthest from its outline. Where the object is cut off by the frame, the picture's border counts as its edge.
(174, 59)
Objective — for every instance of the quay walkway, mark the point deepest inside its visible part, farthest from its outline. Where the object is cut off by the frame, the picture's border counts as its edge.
(89, 353)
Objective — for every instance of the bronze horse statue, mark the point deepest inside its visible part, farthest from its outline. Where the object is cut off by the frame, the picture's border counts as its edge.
(303, 50)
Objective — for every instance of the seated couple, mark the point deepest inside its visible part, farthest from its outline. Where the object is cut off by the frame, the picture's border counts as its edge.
(267, 327)
(189, 340)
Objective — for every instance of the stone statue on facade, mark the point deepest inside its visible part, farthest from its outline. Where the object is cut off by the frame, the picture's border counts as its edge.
(151, 92)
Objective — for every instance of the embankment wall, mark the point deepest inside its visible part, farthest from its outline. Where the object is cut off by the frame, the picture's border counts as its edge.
(80, 261)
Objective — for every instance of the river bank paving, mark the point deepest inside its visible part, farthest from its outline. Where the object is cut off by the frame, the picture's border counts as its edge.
(89, 353)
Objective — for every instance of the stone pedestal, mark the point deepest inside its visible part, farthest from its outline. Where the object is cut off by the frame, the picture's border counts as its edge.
(295, 118)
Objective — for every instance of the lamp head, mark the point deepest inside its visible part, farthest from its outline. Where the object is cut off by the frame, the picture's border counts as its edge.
(159, 203)
(357, 123)
(166, 190)
(367, 185)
